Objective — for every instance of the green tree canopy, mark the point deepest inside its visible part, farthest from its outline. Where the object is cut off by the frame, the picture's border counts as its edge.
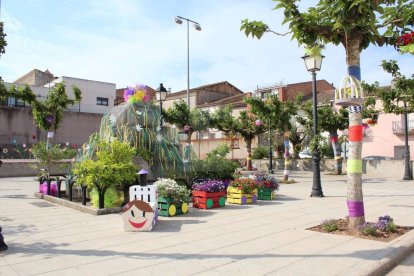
(46, 114)
(3, 42)
(353, 23)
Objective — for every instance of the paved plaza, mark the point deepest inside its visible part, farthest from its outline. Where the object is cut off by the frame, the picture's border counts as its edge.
(267, 238)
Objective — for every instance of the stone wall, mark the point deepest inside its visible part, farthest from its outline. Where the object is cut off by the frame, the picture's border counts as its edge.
(17, 125)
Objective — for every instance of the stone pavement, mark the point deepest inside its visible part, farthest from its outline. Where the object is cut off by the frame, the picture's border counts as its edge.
(267, 238)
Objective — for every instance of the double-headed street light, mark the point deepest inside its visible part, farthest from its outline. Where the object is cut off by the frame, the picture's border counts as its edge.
(161, 96)
(313, 64)
(179, 20)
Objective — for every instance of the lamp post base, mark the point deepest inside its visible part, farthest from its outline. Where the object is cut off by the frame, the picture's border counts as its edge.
(407, 168)
(316, 187)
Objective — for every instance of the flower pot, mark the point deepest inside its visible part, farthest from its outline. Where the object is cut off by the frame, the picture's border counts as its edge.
(167, 207)
(265, 194)
(206, 200)
(236, 196)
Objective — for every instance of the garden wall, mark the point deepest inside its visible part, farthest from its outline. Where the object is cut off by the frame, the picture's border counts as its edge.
(372, 168)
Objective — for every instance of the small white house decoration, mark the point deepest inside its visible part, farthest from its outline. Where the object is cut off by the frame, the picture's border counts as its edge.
(349, 92)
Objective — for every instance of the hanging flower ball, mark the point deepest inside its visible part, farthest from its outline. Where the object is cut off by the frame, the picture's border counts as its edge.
(49, 118)
(258, 123)
(405, 43)
(137, 94)
(187, 128)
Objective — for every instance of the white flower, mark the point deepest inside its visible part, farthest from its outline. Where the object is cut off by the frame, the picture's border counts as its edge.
(139, 113)
(138, 128)
(159, 137)
(173, 126)
(185, 161)
(158, 128)
(112, 118)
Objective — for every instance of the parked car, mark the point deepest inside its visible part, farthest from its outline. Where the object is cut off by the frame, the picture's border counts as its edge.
(305, 154)
(375, 157)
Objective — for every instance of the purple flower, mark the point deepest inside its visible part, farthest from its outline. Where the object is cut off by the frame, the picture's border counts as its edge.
(128, 93)
(209, 185)
(49, 118)
(266, 180)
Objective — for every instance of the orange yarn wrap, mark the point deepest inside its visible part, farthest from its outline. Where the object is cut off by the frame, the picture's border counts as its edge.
(355, 133)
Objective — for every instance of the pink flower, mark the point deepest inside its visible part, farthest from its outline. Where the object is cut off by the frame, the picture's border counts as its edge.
(258, 123)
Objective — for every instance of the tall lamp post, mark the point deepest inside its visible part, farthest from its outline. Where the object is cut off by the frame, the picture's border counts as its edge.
(407, 169)
(313, 64)
(270, 149)
(179, 20)
(161, 96)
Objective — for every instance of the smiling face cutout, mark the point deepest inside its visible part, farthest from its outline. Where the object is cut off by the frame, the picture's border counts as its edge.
(138, 216)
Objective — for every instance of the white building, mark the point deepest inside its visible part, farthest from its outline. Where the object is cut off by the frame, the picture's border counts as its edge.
(97, 96)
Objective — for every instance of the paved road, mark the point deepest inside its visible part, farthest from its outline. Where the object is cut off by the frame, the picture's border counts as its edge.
(268, 238)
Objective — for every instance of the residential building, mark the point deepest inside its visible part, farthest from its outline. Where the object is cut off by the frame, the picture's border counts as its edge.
(218, 95)
(387, 137)
(79, 121)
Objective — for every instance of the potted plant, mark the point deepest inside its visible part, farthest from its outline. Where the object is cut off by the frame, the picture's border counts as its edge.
(215, 165)
(112, 165)
(267, 185)
(242, 190)
(48, 158)
(209, 193)
(172, 198)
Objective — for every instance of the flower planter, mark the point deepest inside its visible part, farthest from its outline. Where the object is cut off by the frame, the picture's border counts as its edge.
(206, 200)
(167, 207)
(265, 194)
(236, 196)
(43, 188)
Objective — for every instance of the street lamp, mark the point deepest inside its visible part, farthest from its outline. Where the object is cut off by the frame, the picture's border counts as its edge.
(161, 96)
(270, 149)
(179, 20)
(313, 64)
(407, 169)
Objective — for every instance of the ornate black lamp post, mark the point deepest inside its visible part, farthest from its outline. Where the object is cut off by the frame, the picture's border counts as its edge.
(313, 64)
(407, 169)
(161, 96)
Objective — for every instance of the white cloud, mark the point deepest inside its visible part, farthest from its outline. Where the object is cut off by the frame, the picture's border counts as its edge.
(128, 41)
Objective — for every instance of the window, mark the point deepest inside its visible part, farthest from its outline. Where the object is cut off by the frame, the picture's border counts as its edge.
(102, 101)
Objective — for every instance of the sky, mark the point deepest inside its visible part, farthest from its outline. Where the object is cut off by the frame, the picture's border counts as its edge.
(130, 42)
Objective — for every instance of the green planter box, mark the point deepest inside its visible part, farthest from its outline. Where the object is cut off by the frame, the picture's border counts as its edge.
(167, 207)
(265, 194)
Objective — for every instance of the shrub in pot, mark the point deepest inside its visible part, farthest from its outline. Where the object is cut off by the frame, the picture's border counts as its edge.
(111, 166)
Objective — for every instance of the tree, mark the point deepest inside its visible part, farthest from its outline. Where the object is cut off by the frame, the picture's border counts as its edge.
(399, 99)
(189, 121)
(297, 139)
(3, 42)
(276, 115)
(330, 120)
(355, 24)
(245, 125)
(248, 129)
(111, 166)
(46, 114)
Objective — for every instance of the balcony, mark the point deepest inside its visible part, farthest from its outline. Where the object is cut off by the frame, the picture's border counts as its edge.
(398, 127)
